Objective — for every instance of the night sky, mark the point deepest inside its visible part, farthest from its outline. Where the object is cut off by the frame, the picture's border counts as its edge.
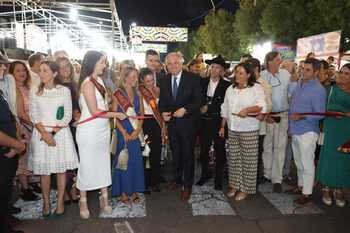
(181, 13)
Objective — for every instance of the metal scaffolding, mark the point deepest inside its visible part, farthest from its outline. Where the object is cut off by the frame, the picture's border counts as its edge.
(87, 24)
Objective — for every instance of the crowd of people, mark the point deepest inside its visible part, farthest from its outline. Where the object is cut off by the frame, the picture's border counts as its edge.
(93, 126)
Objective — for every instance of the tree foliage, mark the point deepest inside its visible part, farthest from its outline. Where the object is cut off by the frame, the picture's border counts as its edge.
(282, 21)
(247, 24)
(287, 20)
(215, 36)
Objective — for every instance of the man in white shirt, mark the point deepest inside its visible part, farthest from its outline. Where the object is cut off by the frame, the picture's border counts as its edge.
(275, 141)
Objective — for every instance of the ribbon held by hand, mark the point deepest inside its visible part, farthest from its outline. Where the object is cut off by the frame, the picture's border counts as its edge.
(326, 114)
(345, 148)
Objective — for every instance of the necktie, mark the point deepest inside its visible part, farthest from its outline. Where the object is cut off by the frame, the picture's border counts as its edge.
(175, 87)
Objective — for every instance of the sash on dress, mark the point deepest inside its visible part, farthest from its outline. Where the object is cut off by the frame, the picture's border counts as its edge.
(152, 102)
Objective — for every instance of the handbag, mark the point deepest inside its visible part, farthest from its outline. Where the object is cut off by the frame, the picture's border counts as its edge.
(123, 159)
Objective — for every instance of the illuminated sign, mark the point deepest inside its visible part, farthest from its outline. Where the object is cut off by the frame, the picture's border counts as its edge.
(141, 48)
(326, 44)
(161, 34)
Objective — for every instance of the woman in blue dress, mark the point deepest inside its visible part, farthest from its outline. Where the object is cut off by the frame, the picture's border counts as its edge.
(128, 182)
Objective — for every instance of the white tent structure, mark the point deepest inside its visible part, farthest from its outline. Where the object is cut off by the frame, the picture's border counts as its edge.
(75, 26)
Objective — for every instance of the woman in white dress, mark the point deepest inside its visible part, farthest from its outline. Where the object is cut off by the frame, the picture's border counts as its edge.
(93, 137)
(53, 148)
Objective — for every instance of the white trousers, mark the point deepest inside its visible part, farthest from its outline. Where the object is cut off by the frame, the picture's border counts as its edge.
(304, 147)
(274, 154)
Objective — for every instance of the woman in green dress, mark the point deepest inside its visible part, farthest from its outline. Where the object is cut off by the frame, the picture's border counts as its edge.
(333, 169)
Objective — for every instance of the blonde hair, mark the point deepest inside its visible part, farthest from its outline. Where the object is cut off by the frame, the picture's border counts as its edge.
(125, 73)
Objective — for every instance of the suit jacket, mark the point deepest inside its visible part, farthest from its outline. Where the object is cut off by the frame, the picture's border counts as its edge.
(189, 96)
(214, 106)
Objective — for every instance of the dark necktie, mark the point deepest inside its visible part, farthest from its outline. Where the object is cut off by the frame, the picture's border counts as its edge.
(175, 87)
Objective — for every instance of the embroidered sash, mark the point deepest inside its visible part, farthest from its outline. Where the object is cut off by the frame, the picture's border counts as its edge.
(152, 102)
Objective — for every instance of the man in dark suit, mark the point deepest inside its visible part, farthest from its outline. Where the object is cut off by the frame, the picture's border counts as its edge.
(179, 102)
(213, 90)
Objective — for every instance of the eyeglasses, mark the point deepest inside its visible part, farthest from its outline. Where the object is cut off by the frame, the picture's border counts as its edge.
(274, 82)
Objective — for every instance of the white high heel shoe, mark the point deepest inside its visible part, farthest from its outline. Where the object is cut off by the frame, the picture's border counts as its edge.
(84, 214)
(105, 208)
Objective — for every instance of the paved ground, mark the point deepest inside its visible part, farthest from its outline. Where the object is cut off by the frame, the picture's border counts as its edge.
(166, 213)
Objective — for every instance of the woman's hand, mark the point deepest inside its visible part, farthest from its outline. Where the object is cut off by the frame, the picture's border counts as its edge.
(48, 139)
(222, 132)
(134, 135)
(121, 116)
(76, 115)
(243, 113)
(126, 137)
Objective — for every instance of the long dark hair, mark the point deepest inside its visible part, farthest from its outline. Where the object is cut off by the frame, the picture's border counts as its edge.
(248, 67)
(88, 65)
(12, 70)
(143, 73)
(54, 68)
(347, 65)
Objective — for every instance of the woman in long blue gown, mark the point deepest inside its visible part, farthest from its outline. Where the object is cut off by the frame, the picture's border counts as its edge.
(126, 184)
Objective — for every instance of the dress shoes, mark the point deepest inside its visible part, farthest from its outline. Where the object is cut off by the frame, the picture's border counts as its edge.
(147, 191)
(218, 186)
(202, 181)
(302, 200)
(174, 186)
(156, 188)
(14, 210)
(12, 221)
(186, 194)
(294, 191)
(277, 188)
(262, 180)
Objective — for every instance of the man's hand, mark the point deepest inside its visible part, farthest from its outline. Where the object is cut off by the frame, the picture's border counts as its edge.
(222, 132)
(296, 117)
(166, 116)
(261, 117)
(18, 148)
(180, 112)
(269, 119)
(204, 109)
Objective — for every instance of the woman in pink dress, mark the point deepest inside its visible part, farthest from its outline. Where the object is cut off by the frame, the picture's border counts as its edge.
(21, 75)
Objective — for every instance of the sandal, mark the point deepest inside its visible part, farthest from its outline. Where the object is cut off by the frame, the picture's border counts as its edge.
(231, 192)
(136, 198)
(241, 196)
(326, 196)
(104, 204)
(124, 198)
(339, 198)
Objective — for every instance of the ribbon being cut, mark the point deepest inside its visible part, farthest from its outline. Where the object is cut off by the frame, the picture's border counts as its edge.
(326, 114)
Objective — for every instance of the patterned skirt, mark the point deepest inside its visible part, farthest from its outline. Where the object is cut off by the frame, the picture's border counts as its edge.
(242, 159)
